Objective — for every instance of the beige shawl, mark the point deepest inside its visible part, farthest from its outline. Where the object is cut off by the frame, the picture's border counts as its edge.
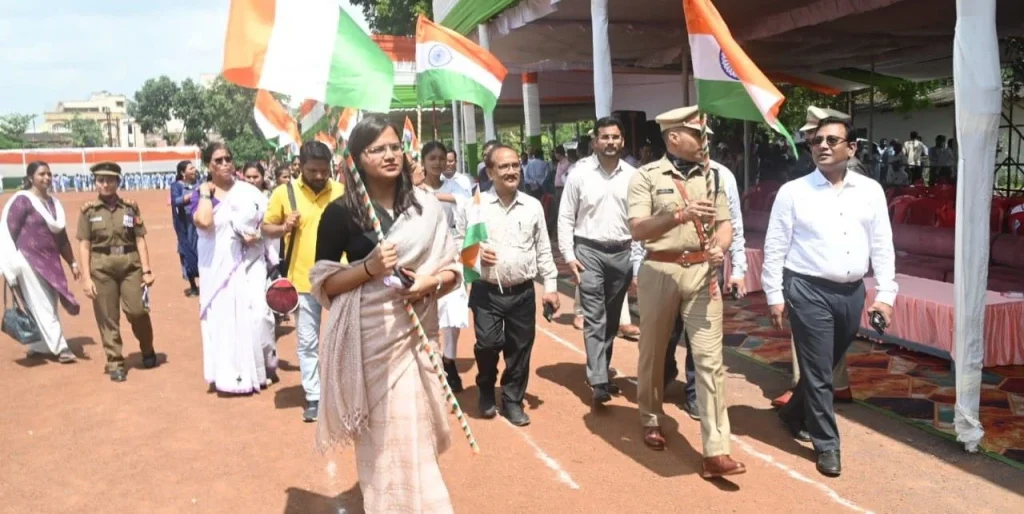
(369, 341)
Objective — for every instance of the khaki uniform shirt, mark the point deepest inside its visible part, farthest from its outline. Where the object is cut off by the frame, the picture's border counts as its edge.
(105, 227)
(652, 192)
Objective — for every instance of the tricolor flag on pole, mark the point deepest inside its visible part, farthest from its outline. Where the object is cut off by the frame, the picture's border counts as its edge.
(476, 233)
(310, 114)
(412, 143)
(346, 122)
(451, 67)
(306, 49)
(274, 121)
(729, 84)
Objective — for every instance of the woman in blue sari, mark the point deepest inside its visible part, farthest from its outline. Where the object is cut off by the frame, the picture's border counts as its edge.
(188, 238)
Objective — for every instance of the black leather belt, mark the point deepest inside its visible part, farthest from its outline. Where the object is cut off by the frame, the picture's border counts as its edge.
(607, 247)
(504, 289)
(115, 250)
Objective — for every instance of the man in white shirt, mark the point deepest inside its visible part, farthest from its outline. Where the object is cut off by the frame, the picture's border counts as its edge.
(503, 301)
(824, 229)
(595, 241)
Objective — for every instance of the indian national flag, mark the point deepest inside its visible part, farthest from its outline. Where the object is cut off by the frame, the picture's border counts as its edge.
(729, 84)
(274, 121)
(346, 122)
(306, 49)
(326, 139)
(476, 233)
(310, 114)
(451, 67)
(412, 143)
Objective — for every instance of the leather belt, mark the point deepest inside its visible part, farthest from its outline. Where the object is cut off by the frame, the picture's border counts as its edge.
(607, 247)
(684, 259)
(115, 250)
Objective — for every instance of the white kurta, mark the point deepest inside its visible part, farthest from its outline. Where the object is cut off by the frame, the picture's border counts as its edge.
(453, 308)
(237, 326)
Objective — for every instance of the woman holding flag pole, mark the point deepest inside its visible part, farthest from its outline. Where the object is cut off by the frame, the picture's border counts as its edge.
(378, 390)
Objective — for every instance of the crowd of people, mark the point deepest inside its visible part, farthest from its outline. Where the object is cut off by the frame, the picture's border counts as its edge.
(389, 233)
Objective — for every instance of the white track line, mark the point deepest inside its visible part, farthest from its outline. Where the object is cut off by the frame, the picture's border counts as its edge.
(561, 341)
(549, 461)
(796, 475)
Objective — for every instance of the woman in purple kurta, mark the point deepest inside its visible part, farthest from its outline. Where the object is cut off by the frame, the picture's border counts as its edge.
(35, 227)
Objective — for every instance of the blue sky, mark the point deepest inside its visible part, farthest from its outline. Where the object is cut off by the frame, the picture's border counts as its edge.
(65, 49)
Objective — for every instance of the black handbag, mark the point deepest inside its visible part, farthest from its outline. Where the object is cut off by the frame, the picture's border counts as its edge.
(17, 322)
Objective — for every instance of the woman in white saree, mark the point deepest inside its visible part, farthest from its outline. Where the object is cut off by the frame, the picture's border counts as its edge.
(239, 356)
(378, 390)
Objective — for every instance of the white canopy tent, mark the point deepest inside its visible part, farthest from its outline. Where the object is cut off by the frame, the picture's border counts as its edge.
(817, 41)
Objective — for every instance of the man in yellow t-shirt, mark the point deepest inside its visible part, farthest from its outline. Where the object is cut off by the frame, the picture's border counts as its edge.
(313, 190)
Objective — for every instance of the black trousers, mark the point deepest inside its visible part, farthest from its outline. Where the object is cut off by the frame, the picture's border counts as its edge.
(505, 324)
(825, 317)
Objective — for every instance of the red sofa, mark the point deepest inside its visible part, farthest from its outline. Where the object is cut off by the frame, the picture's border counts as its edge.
(928, 252)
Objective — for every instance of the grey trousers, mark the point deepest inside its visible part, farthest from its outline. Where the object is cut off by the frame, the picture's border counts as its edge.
(825, 317)
(603, 286)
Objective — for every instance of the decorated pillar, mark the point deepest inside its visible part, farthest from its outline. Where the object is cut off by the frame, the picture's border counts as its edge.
(471, 152)
(457, 136)
(485, 43)
(603, 84)
(531, 108)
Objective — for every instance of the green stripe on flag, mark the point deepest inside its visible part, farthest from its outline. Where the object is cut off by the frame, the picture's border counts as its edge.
(469, 275)
(361, 74)
(727, 99)
(440, 85)
(475, 234)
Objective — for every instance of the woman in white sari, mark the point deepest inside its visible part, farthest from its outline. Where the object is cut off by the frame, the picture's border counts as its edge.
(33, 238)
(237, 326)
(378, 390)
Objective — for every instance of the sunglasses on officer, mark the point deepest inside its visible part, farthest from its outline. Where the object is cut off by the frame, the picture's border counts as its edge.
(831, 141)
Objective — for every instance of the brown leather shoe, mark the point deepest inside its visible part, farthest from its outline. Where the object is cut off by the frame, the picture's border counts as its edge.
(782, 399)
(654, 439)
(720, 466)
(843, 395)
(577, 323)
(631, 332)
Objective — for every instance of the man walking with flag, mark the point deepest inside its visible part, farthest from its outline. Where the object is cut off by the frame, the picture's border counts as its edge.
(669, 205)
(505, 246)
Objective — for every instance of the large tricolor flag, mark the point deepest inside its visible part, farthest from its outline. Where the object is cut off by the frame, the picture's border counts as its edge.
(728, 82)
(274, 121)
(451, 67)
(306, 49)
(476, 233)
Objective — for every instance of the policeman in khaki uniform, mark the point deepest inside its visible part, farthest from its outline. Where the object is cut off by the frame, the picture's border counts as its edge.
(675, 279)
(112, 243)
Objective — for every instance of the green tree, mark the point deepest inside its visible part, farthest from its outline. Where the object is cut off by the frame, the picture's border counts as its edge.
(229, 108)
(153, 106)
(190, 106)
(394, 17)
(12, 130)
(85, 133)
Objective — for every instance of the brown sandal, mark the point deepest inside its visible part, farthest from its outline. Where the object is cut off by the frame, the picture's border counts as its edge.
(654, 439)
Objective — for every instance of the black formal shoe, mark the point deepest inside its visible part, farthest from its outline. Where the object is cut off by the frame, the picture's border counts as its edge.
(829, 463)
(514, 413)
(601, 394)
(487, 408)
(796, 430)
(612, 388)
(452, 373)
(118, 375)
(149, 361)
(692, 409)
(312, 411)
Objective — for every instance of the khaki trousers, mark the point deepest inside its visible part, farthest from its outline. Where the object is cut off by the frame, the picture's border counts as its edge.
(840, 378)
(665, 291)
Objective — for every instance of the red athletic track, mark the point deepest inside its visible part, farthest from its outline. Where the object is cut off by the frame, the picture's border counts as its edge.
(72, 441)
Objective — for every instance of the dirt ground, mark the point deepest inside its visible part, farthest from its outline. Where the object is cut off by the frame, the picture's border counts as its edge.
(72, 441)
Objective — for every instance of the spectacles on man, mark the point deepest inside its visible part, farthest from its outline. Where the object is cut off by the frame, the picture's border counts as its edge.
(380, 150)
(223, 160)
(831, 141)
(515, 165)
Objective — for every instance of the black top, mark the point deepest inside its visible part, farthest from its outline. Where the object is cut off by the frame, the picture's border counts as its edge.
(339, 234)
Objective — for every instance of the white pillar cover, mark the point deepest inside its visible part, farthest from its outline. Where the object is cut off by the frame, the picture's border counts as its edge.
(485, 42)
(603, 85)
(978, 88)
(469, 122)
(457, 137)
(531, 107)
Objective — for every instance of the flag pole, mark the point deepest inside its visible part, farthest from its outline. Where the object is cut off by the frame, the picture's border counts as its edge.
(433, 108)
(419, 126)
(709, 228)
(424, 344)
